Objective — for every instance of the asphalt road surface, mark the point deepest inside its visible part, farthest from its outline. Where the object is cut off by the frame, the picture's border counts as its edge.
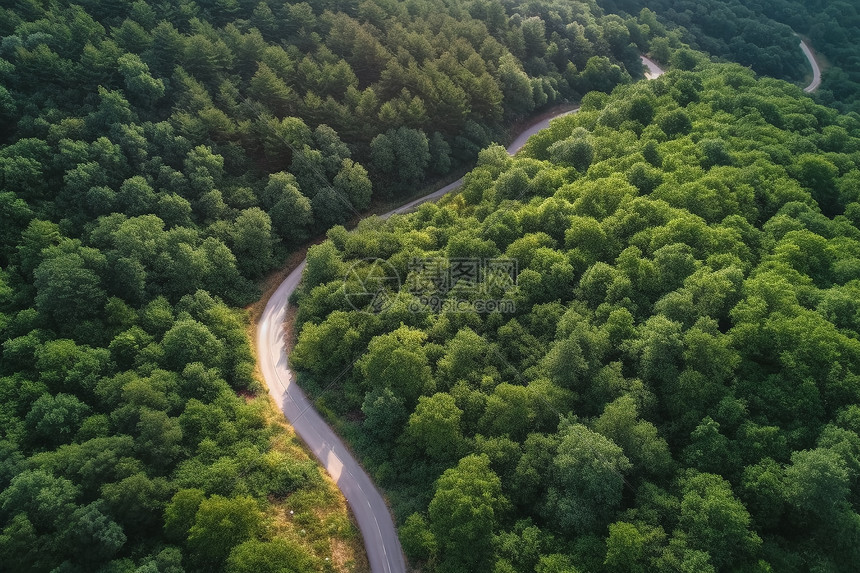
(368, 506)
(654, 70)
(816, 71)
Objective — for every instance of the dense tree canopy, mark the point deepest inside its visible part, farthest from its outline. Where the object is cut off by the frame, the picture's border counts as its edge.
(762, 36)
(156, 161)
(675, 385)
(685, 268)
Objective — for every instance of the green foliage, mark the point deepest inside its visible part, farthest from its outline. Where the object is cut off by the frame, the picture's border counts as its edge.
(750, 35)
(674, 388)
(67, 291)
(463, 513)
(434, 428)
(400, 156)
(276, 556)
(762, 37)
(685, 288)
(252, 241)
(54, 420)
(587, 476)
(575, 151)
(714, 521)
(817, 482)
(418, 541)
(189, 341)
(220, 524)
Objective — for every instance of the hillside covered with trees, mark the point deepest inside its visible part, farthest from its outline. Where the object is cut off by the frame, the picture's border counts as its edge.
(677, 385)
(729, 29)
(682, 246)
(833, 28)
(157, 159)
(329, 94)
(762, 36)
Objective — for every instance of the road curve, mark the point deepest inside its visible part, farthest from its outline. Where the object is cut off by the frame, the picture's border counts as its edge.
(368, 506)
(370, 510)
(517, 144)
(654, 71)
(816, 71)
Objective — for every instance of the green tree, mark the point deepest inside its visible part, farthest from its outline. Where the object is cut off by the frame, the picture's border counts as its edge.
(252, 241)
(47, 502)
(709, 449)
(190, 341)
(113, 110)
(384, 413)
(220, 525)
(397, 361)
(510, 411)
(419, 543)
(763, 491)
(93, 535)
(204, 169)
(630, 546)
(275, 556)
(64, 365)
(159, 437)
(290, 211)
(434, 428)
(38, 236)
(714, 521)
(639, 439)
(55, 419)
(136, 196)
(20, 546)
(138, 502)
(817, 482)
(516, 88)
(576, 151)
(819, 175)
(351, 181)
(15, 216)
(464, 513)
(675, 123)
(273, 91)
(327, 347)
(440, 154)
(330, 207)
(601, 74)
(67, 290)
(139, 83)
(466, 357)
(324, 264)
(401, 156)
(180, 513)
(586, 480)
(715, 152)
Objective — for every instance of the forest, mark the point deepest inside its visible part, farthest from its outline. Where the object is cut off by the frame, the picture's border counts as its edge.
(833, 27)
(686, 291)
(762, 36)
(677, 384)
(157, 161)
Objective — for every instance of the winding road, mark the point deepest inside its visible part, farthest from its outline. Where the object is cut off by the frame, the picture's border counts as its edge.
(517, 144)
(368, 506)
(816, 71)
